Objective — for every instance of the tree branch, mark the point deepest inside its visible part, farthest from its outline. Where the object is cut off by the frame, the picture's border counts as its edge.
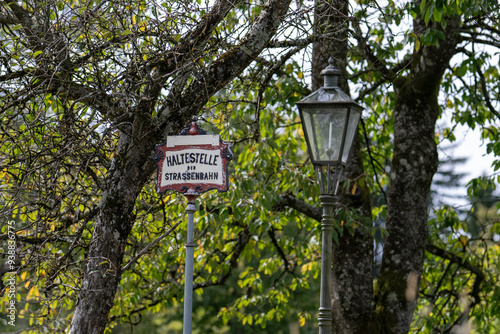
(290, 201)
(147, 248)
(196, 37)
(404, 64)
(486, 94)
(231, 63)
(13, 75)
(372, 160)
(7, 19)
(20, 13)
(272, 235)
(442, 253)
(243, 238)
(368, 54)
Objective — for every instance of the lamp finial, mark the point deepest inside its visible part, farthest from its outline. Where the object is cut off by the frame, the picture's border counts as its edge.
(330, 74)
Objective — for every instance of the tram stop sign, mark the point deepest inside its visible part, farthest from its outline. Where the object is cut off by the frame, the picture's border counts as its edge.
(192, 162)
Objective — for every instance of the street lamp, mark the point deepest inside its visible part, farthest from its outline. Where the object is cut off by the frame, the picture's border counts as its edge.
(329, 118)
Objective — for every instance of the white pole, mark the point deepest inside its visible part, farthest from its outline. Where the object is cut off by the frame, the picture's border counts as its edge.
(188, 274)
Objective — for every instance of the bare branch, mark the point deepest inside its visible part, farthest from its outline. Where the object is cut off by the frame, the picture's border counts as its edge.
(291, 201)
(404, 64)
(20, 13)
(148, 247)
(234, 61)
(197, 37)
(464, 263)
(242, 241)
(368, 54)
(7, 19)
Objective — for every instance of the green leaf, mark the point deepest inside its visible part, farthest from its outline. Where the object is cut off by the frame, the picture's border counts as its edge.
(422, 7)
(437, 15)
(335, 236)
(460, 71)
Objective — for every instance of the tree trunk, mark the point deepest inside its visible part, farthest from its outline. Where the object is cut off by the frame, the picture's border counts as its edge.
(134, 164)
(353, 259)
(414, 163)
(111, 229)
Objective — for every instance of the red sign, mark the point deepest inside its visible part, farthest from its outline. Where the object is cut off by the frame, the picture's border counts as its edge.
(192, 161)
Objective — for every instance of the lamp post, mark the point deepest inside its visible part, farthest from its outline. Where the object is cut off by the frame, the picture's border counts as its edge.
(329, 118)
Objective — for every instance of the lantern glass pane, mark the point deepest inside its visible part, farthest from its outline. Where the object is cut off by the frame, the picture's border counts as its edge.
(324, 129)
(351, 132)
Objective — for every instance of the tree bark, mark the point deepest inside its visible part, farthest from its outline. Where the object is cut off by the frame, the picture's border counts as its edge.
(414, 163)
(111, 229)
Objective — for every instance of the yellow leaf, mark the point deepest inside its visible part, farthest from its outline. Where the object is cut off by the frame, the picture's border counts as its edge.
(353, 191)
(134, 19)
(33, 292)
(417, 45)
(424, 282)
(463, 240)
(302, 321)
(300, 75)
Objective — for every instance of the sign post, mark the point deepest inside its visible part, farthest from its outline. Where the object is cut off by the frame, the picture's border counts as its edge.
(191, 163)
(188, 272)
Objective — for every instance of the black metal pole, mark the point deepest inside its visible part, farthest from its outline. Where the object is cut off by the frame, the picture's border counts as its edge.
(328, 203)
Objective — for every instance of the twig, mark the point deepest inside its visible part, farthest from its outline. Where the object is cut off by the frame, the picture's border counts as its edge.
(148, 247)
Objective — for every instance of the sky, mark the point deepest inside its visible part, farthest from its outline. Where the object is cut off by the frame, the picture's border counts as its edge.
(471, 145)
(468, 144)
